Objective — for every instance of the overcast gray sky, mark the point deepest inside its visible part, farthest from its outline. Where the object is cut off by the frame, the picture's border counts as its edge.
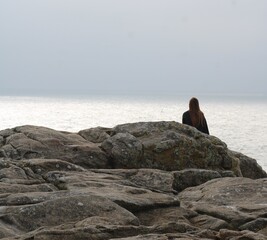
(133, 46)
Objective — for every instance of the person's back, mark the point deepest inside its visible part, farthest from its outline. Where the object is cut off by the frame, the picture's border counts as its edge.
(194, 116)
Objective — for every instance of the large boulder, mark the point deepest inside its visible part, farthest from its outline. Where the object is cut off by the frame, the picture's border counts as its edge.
(95, 135)
(29, 142)
(194, 177)
(124, 150)
(65, 210)
(248, 166)
(241, 202)
(173, 146)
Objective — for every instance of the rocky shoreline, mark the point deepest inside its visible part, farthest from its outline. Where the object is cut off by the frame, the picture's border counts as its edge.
(148, 180)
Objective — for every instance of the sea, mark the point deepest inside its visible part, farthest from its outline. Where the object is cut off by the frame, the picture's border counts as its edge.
(239, 121)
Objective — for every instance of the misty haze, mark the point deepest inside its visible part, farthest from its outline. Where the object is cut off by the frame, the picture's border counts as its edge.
(133, 47)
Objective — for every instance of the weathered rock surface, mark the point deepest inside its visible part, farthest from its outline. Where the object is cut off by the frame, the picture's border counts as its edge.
(168, 146)
(159, 180)
(172, 146)
(28, 142)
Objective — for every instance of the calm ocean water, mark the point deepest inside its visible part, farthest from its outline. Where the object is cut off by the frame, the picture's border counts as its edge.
(239, 122)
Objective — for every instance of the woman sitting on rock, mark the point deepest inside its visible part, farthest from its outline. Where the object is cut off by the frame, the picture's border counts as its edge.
(195, 117)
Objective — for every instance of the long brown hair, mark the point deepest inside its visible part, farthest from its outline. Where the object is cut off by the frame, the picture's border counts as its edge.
(197, 116)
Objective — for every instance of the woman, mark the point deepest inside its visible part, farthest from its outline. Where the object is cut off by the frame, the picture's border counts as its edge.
(195, 117)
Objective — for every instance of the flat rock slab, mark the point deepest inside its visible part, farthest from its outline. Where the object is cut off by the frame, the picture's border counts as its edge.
(238, 201)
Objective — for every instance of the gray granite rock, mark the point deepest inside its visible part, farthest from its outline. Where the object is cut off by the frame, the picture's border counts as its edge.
(173, 146)
(238, 201)
(157, 145)
(29, 142)
(95, 135)
(159, 180)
